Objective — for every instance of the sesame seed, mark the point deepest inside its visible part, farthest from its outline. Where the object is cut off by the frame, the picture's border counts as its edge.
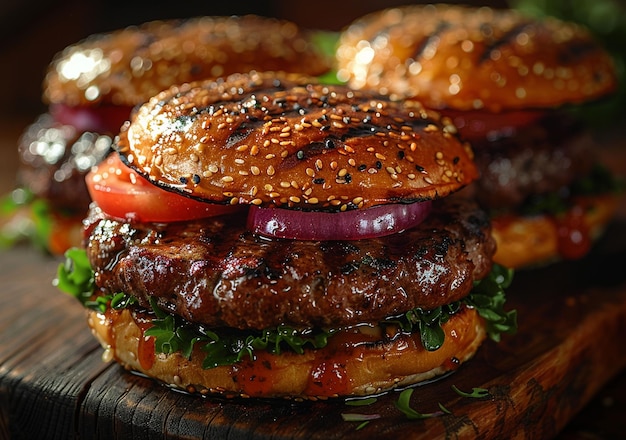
(285, 184)
(254, 150)
(342, 172)
(256, 202)
(333, 165)
(241, 148)
(221, 125)
(270, 156)
(380, 156)
(313, 201)
(255, 170)
(439, 155)
(239, 161)
(227, 179)
(310, 172)
(213, 168)
(294, 199)
(271, 171)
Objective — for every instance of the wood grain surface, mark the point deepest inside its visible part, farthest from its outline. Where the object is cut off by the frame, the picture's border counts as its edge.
(53, 383)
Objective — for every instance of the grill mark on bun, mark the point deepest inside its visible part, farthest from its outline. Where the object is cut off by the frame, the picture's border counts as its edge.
(246, 135)
(491, 59)
(431, 39)
(506, 39)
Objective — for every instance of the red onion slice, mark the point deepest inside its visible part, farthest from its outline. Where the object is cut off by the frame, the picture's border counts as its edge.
(350, 225)
(101, 119)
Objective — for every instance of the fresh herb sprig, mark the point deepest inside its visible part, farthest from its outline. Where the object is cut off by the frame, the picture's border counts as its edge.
(477, 393)
(174, 334)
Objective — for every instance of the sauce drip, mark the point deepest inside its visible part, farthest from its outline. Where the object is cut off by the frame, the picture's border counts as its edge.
(255, 376)
(574, 239)
(328, 378)
(146, 352)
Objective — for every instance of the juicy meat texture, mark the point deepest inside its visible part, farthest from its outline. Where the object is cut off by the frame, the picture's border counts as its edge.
(539, 159)
(216, 273)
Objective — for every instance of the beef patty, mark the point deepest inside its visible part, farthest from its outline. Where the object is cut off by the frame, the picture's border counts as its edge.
(216, 273)
(539, 159)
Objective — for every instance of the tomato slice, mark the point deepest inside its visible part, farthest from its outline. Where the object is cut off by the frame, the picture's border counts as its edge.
(350, 225)
(480, 125)
(106, 119)
(123, 194)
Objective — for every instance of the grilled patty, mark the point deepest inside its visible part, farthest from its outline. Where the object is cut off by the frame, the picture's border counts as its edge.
(539, 159)
(216, 273)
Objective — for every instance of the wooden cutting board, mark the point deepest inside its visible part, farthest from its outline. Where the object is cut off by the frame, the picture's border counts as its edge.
(572, 327)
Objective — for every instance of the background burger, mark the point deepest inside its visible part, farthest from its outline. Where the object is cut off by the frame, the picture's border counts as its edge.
(508, 83)
(92, 86)
(266, 235)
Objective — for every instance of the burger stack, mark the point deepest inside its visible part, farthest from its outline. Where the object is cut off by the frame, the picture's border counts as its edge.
(92, 87)
(508, 82)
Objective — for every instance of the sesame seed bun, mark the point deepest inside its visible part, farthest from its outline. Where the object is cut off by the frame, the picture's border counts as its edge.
(128, 66)
(467, 58)
(367, 368)
(285, 140)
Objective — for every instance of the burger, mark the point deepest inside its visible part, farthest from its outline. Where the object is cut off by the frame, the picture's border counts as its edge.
(511, 85)
(91, 88)
(267, 235)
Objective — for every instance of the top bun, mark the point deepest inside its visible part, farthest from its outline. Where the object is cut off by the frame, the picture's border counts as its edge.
(284, 140)
(467, 58)
(128, 66)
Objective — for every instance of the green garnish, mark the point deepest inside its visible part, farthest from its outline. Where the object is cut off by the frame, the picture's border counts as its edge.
(347, 417)
(403, 404)
(75, 276)
(488, 298)
(361, 402)
(229, 346)
(477, 393)
(26, 219)
(172, 334)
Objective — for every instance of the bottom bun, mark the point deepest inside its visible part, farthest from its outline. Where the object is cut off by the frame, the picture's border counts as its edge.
(345, 367)
(538, 240)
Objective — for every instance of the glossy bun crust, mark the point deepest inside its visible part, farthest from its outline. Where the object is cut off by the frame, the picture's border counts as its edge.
(129, 66)
(352, 367)
(284, 140)
(473, 58)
